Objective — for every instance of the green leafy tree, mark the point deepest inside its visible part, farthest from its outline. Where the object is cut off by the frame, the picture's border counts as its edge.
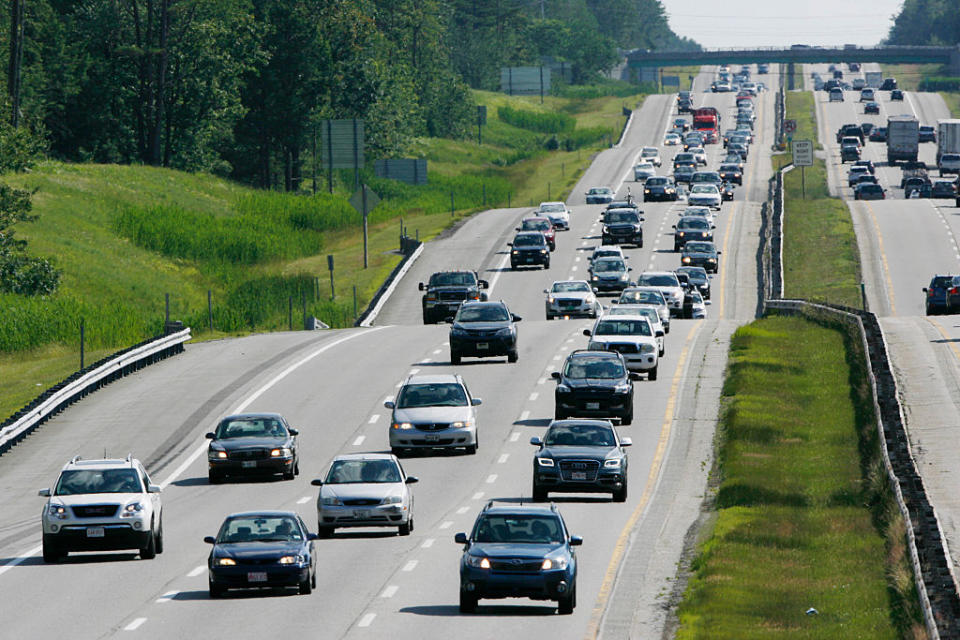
(20, 273)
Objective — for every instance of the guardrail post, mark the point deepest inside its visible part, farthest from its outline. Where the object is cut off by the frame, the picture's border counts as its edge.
(210, 309)
(81, 342)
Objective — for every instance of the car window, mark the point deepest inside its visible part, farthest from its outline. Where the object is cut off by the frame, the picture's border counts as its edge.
(552, 208)
(660, 280)
(431, 395)
(260, 529)
(528, 240)
(579, 435)
(452, 279)
(482, 313)
(531, 224)
(704, 188)
(621, 216)
(600, 368)
(693, 223)
(603, 266)
(532, 529)
(250, 428)
(560, 287)
(698, 247)
(366, 471)
(656, 182)
(79, 481)
(623, 328)
(641, 297)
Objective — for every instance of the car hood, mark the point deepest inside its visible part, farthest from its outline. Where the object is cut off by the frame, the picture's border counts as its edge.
(235, 444)
(377, 490)
(96, 498)
(432, 414)
(480, 326)
(453, 287)
(586, 383)
(634, 339)
(513, 549)
(698, 254)
(257, 550)
(563, 453)
(571, 295)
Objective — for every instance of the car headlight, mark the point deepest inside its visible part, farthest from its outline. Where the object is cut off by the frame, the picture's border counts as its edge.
(392, 500)
(515, 252)
(331, 502)
(622, 388)
(647, 348)
(131, 510)
(402, 425)
(680, 233)
(562, 388)
(216, 454)
(545, 462)
(685, 259)
(595, 278)
(282, 452)
(553, 563)
(612, 464)
(225, 562)
(506, 331)
(298, 559)
(550, 299)
(646, 190)
(544, 250)
(711, 259)
(479, 562)
(58, 511)
(670, 190)
(460, 424)
(623, 276)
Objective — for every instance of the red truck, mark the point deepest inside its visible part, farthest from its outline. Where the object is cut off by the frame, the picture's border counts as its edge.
(707, 120)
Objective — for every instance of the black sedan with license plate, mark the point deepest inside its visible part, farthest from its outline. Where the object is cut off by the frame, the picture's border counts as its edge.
(580, 456)
(252, 444)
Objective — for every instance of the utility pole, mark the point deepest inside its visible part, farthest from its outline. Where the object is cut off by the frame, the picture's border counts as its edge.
(16, 60)
(543, 15)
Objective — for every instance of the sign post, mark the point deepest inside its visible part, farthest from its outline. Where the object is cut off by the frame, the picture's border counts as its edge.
(481, 120)
(364, 200)
(803, 157)
(341, 147)
(333, 292)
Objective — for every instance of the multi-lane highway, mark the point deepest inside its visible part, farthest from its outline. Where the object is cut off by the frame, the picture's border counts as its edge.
(903, 242)
(332, 386)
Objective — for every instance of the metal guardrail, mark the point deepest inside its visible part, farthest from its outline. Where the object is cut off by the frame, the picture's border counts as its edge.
(412, 251)
(936, 583)
(57, 398)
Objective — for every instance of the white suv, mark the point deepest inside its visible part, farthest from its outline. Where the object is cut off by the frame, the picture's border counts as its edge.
(668, 284)
(102, 505)
(949, 163)
(557, 212)
(632, 336)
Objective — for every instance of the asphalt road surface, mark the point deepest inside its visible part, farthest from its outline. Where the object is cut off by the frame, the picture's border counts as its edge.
(332, 385)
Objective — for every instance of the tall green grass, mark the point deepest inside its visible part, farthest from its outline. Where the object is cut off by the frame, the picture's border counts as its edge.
(541, 122)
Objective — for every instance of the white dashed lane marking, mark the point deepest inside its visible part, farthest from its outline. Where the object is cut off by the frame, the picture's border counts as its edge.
(524, 415)
(491, 478)
(359, 441)
(303, 500)
(427, 543)
(478, 495)
(373, 418)
(446, 524)
(390, 591)
(133, 626)
(503, 458)
(167, 597)
(462, 510)
(197, 571)
(410, 566)
(366, 620)
(514, 436)
(534, 396)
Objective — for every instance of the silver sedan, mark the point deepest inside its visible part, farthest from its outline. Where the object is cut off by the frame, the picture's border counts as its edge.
(568, 298)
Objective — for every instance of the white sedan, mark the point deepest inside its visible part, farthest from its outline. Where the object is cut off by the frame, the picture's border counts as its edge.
(706, 195)
(651, 155)
(671, 139)
(643, 171)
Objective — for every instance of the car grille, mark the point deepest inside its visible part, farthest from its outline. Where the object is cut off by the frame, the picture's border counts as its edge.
(452, 296)
(95, 510)
(482, 333)
(568, 302)
(589, 467)
(516, 565)
(361, 502)
(249, 454)
(433, 426)
(623, 347)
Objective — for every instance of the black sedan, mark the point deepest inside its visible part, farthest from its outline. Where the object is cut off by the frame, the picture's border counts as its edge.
(943, 294)
(659, 188)
(879, 134)
(261, 549)
(731, 173)
(582, 456)
(252, 444)
(701, 254)
(896, 94)
(944, 189)
(484, 329)
(594, 384)
(871, 107)
(697, 277)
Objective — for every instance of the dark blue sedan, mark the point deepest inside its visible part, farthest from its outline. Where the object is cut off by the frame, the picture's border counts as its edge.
(943, 294)
(262, 549)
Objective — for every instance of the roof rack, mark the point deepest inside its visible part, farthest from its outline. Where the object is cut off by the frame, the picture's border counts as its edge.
(553, 505)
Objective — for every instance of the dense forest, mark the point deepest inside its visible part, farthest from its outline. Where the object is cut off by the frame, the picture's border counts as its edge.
(919, 22)
(235, 87)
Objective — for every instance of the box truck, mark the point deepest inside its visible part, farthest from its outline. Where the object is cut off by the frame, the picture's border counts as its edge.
(873, 79)
(903, 138)
(948, 137)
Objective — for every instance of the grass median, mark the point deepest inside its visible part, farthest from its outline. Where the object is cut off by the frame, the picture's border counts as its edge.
(794, 529)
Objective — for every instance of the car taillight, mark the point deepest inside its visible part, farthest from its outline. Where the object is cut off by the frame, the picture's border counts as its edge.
(929, 293)
(954, 291)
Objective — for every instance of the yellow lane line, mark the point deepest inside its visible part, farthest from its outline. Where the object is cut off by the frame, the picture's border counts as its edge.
(949, 340)
(883, 258)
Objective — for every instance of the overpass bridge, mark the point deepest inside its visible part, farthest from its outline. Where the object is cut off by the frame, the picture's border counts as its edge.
(798, 54)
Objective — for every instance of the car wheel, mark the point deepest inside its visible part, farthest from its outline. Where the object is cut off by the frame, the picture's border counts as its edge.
(427, 319)
(468, 602)
(539, 493)
(661, 352)
(620, 495)
(51, 553)
(666, 328)
(289, 475)
(324, 531)
(546, 265)
(406, 528)
(472, 449)
(216, 591)
(296, 467)
(160, 537)
(454, 357)
(149, 552)
(214, 478)
(513, 356)
(550, 317)
(652, 374)
(627, 419)
(567, 602)
(306, 587)
(559, 415)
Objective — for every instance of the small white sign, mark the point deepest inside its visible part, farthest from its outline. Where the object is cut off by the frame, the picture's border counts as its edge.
(803, 153)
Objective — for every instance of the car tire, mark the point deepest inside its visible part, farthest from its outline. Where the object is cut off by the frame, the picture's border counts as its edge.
(405, 528)
(149, 552)
(472, 449)
(513, 356)
(324, 531)
(546, 265)
(289, 475)
(216, 591)
(159, 537)
(306, 587)
(620, 495)
(468, 602)
(214, 478)
(51, 553)
(296, 467)
(652, 374)
(568, 602)
(550, 316)
(454, 357)
(539, 494)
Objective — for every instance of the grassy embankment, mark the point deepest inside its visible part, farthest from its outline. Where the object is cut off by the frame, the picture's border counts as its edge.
(909, 75)
(804, 517)
(126, 235)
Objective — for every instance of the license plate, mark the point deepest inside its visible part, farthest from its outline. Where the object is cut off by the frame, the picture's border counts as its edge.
(483, 345)
(579, 475)
(431, 438)
(529, 259)
(359, 514)
(257, 576)
(248, 464)
(95, 532)
(593, 406)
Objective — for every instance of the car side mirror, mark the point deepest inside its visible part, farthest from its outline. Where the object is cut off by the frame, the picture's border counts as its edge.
(210, 540)
(587, 332)
(510, 244)
(209, 436)
(420, 286)
(411, 480)
(595, 290)
(626, 442)
(719, 252)
(312, 536)
(536, 441)
(476, 402)
(614, 302)
(448, 319)
(659, 333)
(924, 290)
(460, 538)
(713, 226)
(547, 291)
(674, 226)
(389, 404)
(294, 432)
(515, 317)
(634, 376)
(154, 488)
(44, 493)
(706, 302)
(576, 541)
(629, 268)
(484, 284)
(317, 482)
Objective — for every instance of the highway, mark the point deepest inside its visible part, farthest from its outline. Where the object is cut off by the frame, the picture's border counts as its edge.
(902, 244)
(332, 385)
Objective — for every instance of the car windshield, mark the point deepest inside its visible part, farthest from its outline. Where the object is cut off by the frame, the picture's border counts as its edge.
(623, 328)
(579, 435)
(641, 297)
(706, 177)
(684, 157)
(602, 266)
(693, 223)
(621, 216)
(561, 287)
(452, 279)
(363, 471)
(591, 367)
(80, 481)
(656, 182)
(599, 191)
(664, 280)
(698, 247)
(531, 529)
(260, 529)
(535, 225)
(869, 187)
(696, 211)
(264, 427)
(556, 207)
(704, 188)
(528, 240)
(942, 281)
(482, 313)
(448, 394)
(697, 276)
(649, 152)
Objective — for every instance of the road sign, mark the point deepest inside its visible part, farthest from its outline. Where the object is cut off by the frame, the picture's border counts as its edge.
(803, 153)
(789, 126)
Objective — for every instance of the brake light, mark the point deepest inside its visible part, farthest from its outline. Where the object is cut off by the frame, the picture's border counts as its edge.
(954, 291)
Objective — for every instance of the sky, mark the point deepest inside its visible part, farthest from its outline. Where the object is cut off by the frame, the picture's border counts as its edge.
(777, 23)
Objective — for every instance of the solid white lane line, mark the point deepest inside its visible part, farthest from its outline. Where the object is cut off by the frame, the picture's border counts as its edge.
(197, 571)
(514, 436)
(503, 458)
(491, 478)
(200, 450)
(366, 620)
(478, 495)
(534, 396)
(26, 554)
(446, 524)
(359, 441)
(410, 566)
(303, 500)
(427, 543)
(167, 597)
(524, 415)
(373, 419)
(135, 624)
(390, 591)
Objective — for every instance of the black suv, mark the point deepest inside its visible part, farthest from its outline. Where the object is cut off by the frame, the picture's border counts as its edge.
(594, 384)
(446, 291)
(850, 130)
(691, 228)
(622, 226)
(580, 456)
(519, 550)
(696, 277)
(529, 248)
(482, 330)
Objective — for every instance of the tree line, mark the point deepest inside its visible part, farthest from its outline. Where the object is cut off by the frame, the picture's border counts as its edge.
(926, 22)
(236, 87)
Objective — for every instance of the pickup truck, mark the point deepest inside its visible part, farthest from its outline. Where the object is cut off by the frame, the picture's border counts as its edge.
(446, 291)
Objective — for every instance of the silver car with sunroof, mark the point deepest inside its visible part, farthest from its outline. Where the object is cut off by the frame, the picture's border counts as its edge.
(433, 412)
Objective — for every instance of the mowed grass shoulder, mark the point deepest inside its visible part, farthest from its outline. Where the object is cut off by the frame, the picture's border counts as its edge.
(792, 530)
